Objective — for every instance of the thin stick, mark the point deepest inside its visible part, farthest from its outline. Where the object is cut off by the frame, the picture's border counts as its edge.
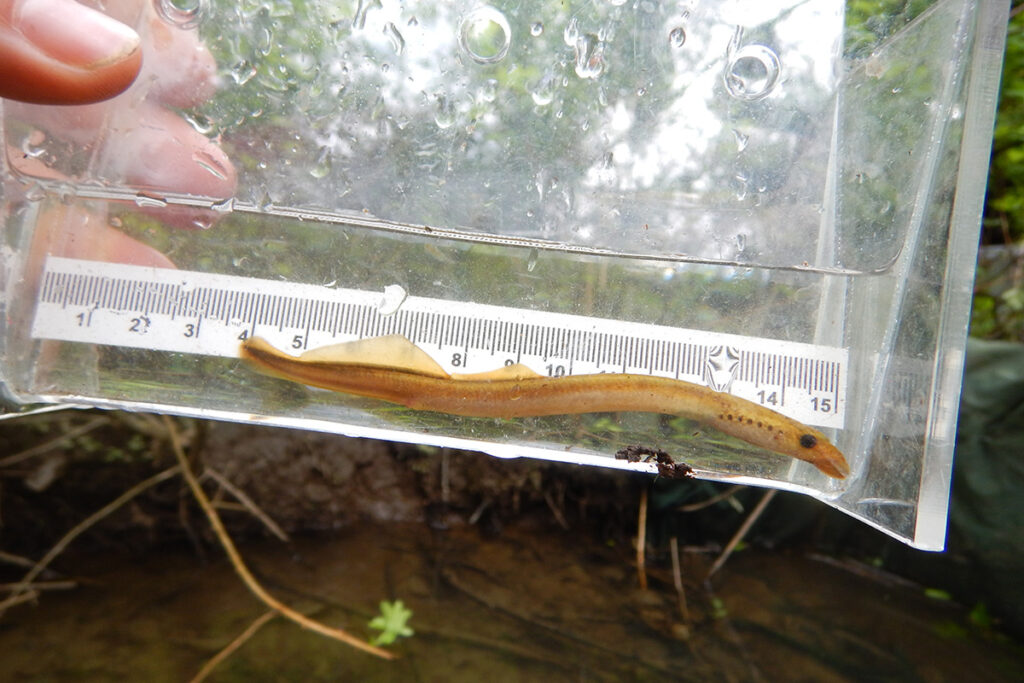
(641, 541)
(16, 559)
(82, 526)
(444, 475)
(54, 443)
(18, 599)
(233, 645)
(42, 586)
(677, 578)
(728, 493)
(243, 572)
(245, 500)
(742, 531)
(559, 517)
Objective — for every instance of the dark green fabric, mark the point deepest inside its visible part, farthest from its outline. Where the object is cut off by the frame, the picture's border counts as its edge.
(986, 524)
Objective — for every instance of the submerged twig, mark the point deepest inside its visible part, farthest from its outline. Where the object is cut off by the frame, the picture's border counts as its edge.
(234, 645)
(16, 559)
(717, 498)
(742, 531)
(243, 571)
(641, 541)
(248, 503)
(47, 446)
(42, 586)
(13, 600)
(81, 527)
(677, 579)
(555, 511)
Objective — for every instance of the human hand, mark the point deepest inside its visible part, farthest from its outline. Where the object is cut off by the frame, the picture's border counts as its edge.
(62, 52)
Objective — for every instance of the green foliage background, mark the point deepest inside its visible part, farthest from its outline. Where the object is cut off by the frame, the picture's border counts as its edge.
(999, 289)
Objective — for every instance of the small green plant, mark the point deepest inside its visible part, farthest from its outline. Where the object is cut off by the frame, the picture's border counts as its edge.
(392, 622)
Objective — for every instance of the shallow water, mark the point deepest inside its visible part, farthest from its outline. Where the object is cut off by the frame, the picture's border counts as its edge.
(530, 604)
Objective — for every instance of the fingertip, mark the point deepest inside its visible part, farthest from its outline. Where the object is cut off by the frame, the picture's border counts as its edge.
(61, 52)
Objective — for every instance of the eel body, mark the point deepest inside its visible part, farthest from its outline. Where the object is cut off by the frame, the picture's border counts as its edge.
(393, 369)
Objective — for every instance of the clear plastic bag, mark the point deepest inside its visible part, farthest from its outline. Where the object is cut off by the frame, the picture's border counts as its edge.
(778, 200)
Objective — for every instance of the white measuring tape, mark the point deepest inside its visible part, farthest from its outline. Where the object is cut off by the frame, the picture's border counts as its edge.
(207, 313)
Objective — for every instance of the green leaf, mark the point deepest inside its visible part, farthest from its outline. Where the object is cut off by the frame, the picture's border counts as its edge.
(392, 622)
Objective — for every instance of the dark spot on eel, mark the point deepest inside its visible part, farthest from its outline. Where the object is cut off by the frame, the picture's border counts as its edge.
(808, 440)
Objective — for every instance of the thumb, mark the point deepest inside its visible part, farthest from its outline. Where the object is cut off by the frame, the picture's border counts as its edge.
(61, 52)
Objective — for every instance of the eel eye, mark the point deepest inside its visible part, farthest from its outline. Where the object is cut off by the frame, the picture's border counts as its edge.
(808, 440)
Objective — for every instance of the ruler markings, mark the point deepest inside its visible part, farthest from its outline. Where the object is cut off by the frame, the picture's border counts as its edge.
(95, 302)
(101, 292)
(213, 304)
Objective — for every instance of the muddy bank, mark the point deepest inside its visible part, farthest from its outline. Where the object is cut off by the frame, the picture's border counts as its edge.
(514, 570)
(531, 604)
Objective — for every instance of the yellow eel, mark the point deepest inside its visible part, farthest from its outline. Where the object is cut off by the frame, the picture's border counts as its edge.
(394, 369)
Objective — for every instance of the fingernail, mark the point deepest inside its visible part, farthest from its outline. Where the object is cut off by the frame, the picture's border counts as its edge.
(74, 34)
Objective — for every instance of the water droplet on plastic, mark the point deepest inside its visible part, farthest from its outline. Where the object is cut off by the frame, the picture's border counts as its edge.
(543, 91)
(485, 35)
(740, 182)
(444, 113)
(202, 222)
(741, 242)
(182, 13)
(641, 91)
(392, 300)
(66, 192)
(571, 33)
(35, 193)
(201, 123)
(489, 90)
(322, 166)
(242, 72)
(536, 28)
(396, 38)
(224, 206)
(364, 7)
(531, 260)
(741, 140)
(568, 199)
(677, 37)
(33, 145)
(263, 40)
(149, 201)
(752, 73)
(212, 165)
(589, 62)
